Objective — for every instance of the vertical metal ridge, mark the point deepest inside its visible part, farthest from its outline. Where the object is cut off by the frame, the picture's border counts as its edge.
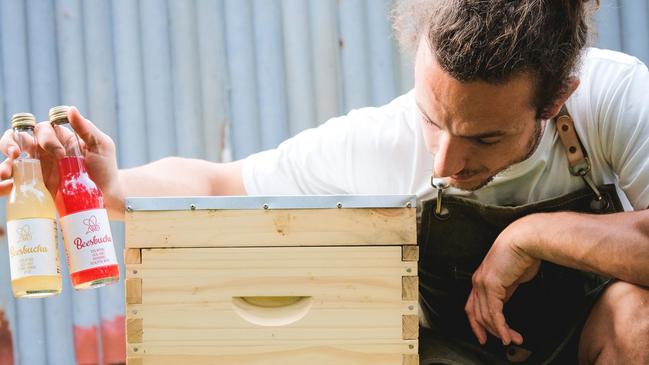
(186, 79)
(245, 132)
(129, 83)
(214, 81)
(271, 89)
(158, 88)
(380, 50)
(299, 69)
(325, 53)
(354, 54)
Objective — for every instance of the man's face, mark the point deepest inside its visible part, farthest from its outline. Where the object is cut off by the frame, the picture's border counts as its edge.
(474, 129)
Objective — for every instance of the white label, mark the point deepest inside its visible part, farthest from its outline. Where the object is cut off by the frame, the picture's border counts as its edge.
(33, 247)
(88, 241)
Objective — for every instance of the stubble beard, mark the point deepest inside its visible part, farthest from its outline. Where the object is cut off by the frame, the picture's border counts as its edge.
(532, 144)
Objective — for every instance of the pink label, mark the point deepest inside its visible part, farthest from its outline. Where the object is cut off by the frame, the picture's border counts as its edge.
(88, 241)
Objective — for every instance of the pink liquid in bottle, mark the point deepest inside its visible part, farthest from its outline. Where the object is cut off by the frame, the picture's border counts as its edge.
(82, 203)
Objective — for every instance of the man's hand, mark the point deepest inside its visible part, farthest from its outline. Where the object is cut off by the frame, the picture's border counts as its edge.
(6, 170)
(504, 267)
(97, 148)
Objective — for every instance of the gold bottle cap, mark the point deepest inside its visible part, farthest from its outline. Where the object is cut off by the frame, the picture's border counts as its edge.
(59, 114)
(23, 120)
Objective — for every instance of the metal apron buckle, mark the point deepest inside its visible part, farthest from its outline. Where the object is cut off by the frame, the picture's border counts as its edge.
(583, 170)
(440, 184)
(577, 157)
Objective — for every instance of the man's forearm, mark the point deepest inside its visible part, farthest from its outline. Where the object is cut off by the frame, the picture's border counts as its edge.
(175, 176)
(615, 245)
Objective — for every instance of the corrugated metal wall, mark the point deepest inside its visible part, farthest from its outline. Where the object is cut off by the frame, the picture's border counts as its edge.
(215, 79)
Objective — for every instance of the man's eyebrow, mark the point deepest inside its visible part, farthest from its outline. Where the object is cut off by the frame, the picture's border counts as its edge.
(497, 133)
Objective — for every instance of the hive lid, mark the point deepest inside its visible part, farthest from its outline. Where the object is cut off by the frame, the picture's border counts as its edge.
(269, 202)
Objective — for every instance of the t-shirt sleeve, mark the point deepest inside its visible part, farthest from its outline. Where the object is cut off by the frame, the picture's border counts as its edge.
(352, 154)
(623, 113)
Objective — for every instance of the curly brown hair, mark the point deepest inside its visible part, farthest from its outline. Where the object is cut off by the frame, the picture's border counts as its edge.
(494, 40)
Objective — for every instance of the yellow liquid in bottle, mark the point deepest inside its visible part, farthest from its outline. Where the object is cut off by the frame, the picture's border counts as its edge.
(30, 199)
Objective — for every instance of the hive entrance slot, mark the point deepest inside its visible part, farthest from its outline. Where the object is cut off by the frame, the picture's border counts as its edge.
(272, 311)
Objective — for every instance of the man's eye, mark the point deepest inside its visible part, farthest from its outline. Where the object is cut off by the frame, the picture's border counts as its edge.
(430, 122)
(488, 140)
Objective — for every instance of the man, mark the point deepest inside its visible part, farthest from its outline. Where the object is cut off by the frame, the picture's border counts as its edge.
(491, 78)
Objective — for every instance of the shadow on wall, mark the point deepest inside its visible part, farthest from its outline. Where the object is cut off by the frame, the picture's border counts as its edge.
(6, 341)
(113, 340)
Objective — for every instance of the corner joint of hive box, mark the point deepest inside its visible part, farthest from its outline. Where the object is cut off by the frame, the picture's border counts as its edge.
(410, 326)
(410, 359)
(134, 361)
(132, 256)
(409, 288)
(409, 253)
(134, 330)
(133, 291)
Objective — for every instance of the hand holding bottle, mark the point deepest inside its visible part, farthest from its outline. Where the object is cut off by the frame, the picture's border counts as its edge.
(80, 203)
(96, 147)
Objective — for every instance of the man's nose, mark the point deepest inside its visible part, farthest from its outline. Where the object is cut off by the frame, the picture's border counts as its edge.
(451, 156)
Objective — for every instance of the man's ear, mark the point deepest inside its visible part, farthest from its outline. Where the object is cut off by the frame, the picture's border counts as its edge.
(568, 87)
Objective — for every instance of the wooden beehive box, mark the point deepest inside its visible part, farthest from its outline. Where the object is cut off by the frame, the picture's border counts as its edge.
(281, 280)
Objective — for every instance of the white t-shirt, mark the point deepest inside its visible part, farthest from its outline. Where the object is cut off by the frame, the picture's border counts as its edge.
(382, 151)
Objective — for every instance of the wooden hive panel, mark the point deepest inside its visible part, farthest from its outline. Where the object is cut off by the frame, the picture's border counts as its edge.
(300, 227)
(350, 305)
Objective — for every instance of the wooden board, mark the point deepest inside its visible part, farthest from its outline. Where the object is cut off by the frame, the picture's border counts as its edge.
(172, 276)
(248, 228)
(289, 355)
(357, 300)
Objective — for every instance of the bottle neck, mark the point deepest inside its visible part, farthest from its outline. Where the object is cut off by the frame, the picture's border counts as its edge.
(27, 171)
(68, 138)
(26, 141)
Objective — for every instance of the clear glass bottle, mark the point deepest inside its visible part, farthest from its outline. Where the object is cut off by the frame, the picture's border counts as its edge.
(84, 220)
(31, 220)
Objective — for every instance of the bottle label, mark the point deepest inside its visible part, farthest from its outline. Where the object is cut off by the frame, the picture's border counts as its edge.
(88, 241)
(33, 247)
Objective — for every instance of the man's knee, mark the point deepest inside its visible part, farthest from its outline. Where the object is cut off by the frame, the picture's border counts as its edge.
(617, 330)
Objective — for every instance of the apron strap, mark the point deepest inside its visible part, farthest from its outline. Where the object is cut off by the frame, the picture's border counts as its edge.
(577, 157)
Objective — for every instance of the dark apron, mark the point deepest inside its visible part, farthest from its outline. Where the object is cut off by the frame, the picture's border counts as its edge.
(548, 311)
